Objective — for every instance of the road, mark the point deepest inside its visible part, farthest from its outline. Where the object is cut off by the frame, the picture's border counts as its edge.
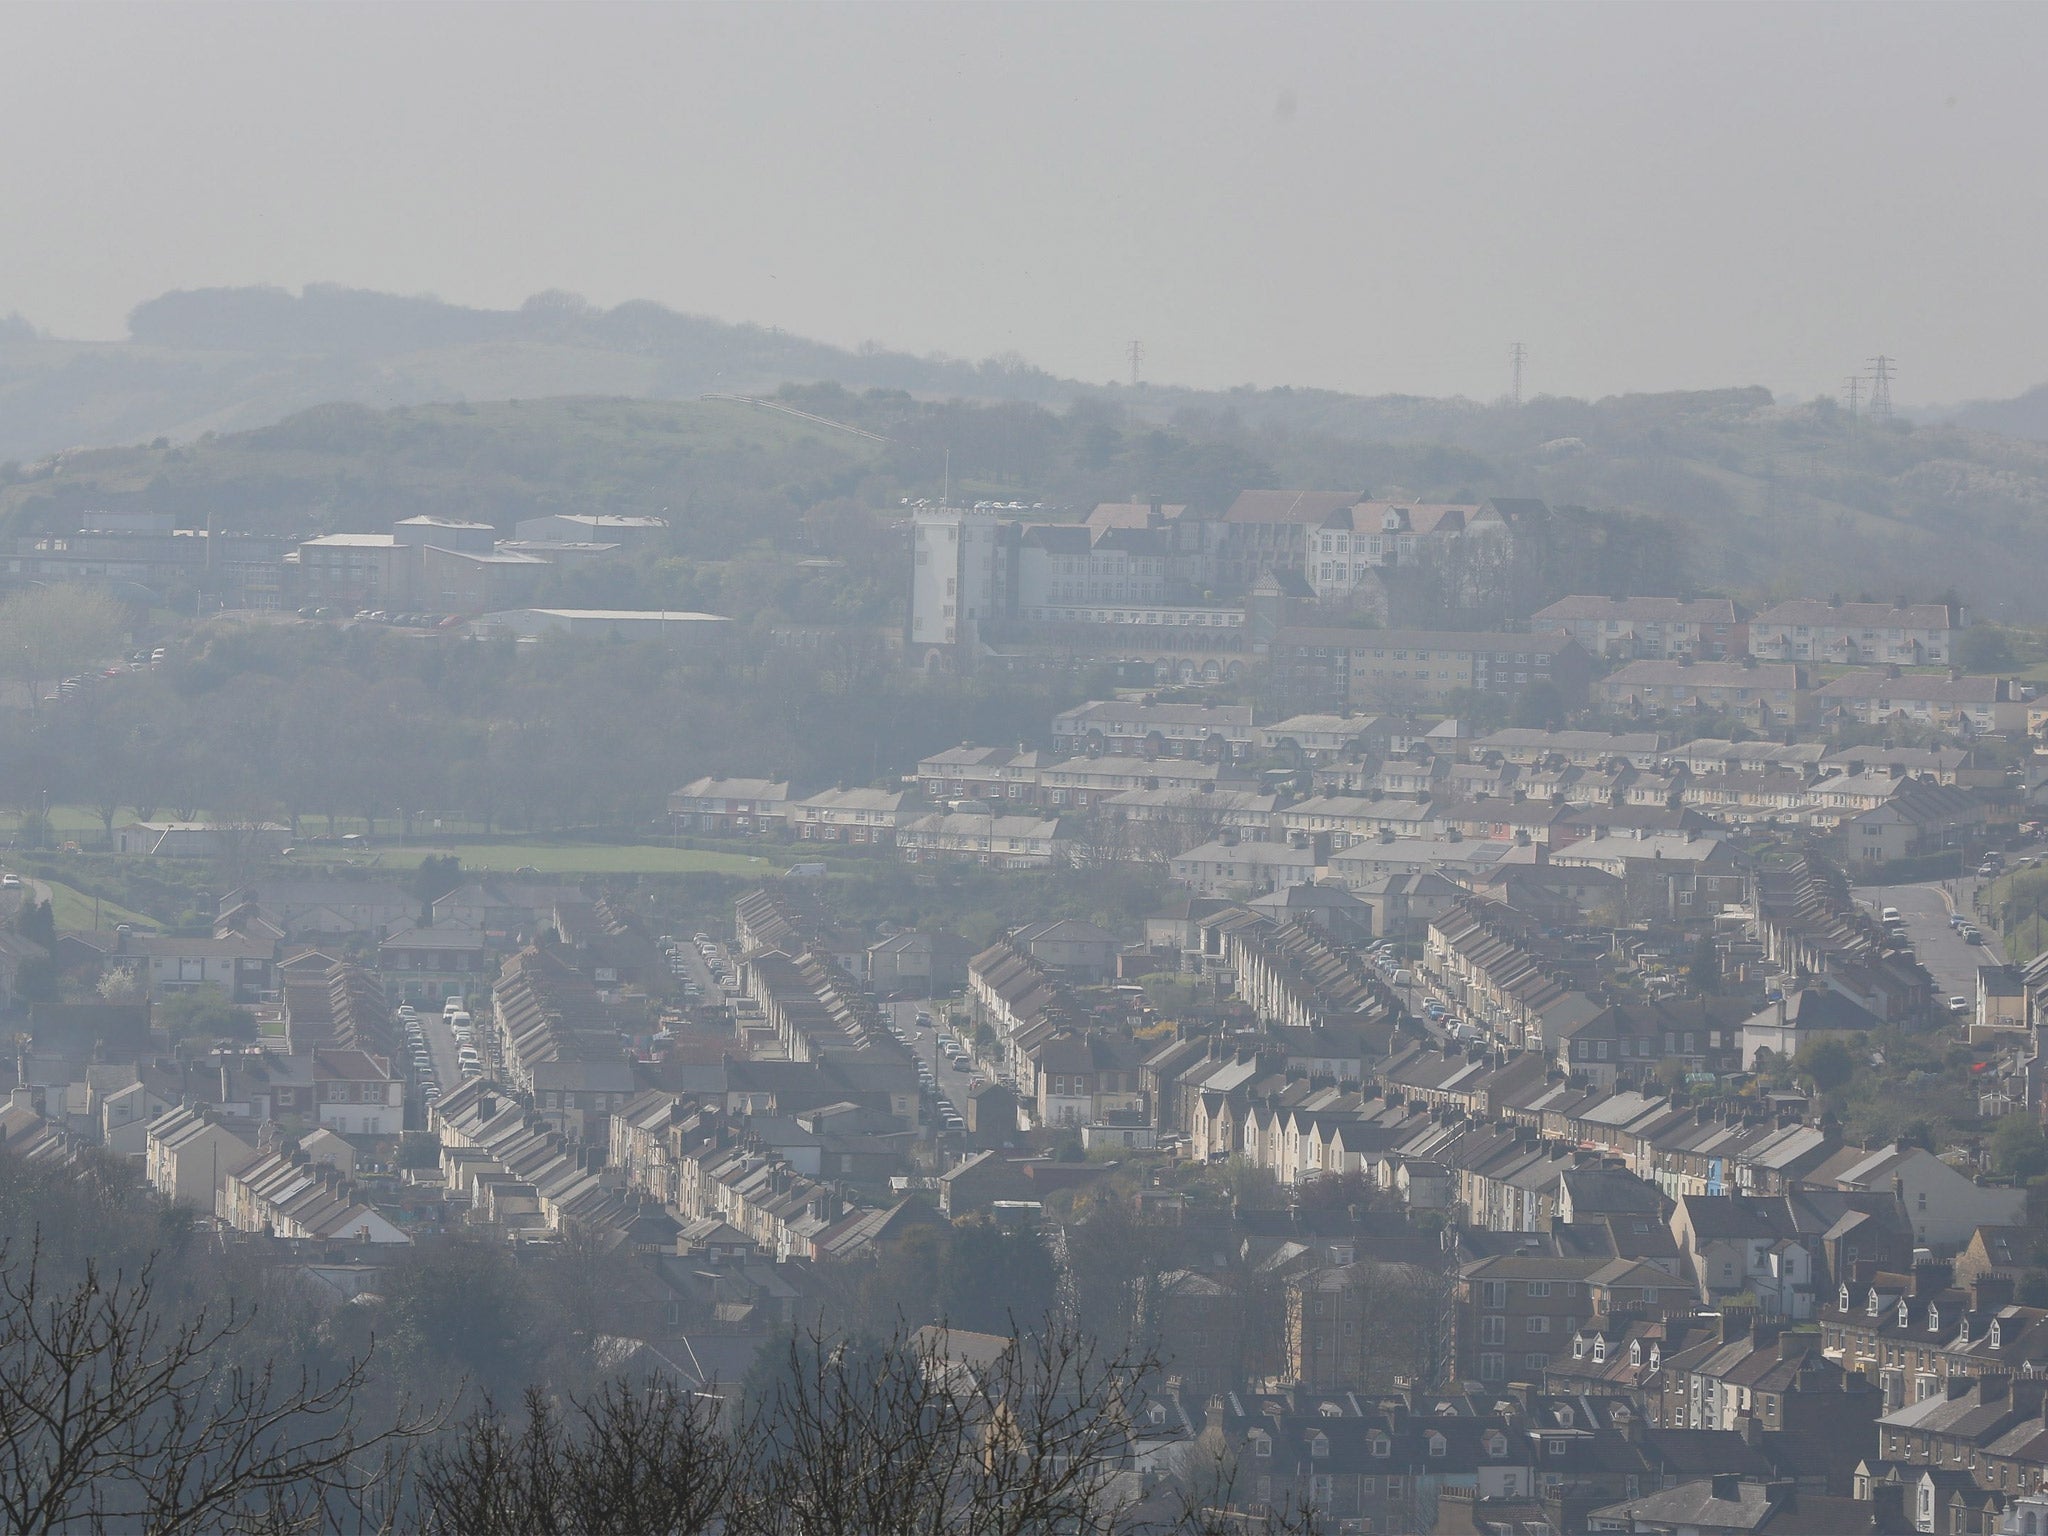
(952, 1082)
(697, 969)
(1936, 944)
(1420, 991)
(441, 1046)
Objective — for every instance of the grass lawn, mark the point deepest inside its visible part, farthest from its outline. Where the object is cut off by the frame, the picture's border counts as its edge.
(571, 858)
(67, 821)
(74, 909)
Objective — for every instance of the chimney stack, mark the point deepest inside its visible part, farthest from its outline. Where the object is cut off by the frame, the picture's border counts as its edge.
(1989, 1292)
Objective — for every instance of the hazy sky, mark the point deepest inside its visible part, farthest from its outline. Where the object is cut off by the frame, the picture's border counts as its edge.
(1371, 198)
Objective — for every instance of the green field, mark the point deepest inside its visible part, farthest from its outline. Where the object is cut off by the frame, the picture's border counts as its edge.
(566, 858)
(74, 909)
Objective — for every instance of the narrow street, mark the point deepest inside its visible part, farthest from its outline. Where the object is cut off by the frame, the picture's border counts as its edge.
(952, 1082)
(1938, 946)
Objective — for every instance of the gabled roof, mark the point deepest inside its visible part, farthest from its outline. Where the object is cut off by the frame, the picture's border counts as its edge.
(1311, 508)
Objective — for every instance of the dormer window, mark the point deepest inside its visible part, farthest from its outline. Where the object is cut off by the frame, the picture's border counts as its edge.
(1262, 1444)
(1578, 1346)
(1963, 1336)
(1656, 1356)
(1381, 1445)
(1438, 1445)
(1157, 1413)
(1635, 1351)
(1870, 1307)
(1933, 1318)
(1994, 1339)
(1319, 1444)
(1599, 1351)
(1842, 1299)
(1496, 1445)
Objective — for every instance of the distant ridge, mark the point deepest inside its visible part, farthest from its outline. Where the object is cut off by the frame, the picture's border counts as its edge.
(2025, 415)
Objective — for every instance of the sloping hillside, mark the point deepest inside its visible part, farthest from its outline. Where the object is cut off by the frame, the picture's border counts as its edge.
(226, 359)
(724, 473)
(1770, 498)
(1764, 497)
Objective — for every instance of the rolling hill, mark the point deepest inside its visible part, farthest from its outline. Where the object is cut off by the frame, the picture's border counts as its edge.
(336, 409)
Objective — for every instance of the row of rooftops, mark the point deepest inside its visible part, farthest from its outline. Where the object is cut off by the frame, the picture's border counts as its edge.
(1715, 611)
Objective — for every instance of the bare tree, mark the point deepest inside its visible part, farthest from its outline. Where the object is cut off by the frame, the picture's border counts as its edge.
(1170, 827)
(1100, 838)
(642, 1459)
(46, 632)
(931, 1433)
(113, 1418)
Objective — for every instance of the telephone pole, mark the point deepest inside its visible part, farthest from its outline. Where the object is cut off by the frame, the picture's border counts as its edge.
(1137, 351)
(1516, 353)
(1881, 387)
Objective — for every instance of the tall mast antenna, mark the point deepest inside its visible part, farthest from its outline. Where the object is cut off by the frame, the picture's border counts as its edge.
(1516, 354)
(1137, 352)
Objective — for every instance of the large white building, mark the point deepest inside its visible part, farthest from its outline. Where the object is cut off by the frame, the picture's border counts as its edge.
(962, 574)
